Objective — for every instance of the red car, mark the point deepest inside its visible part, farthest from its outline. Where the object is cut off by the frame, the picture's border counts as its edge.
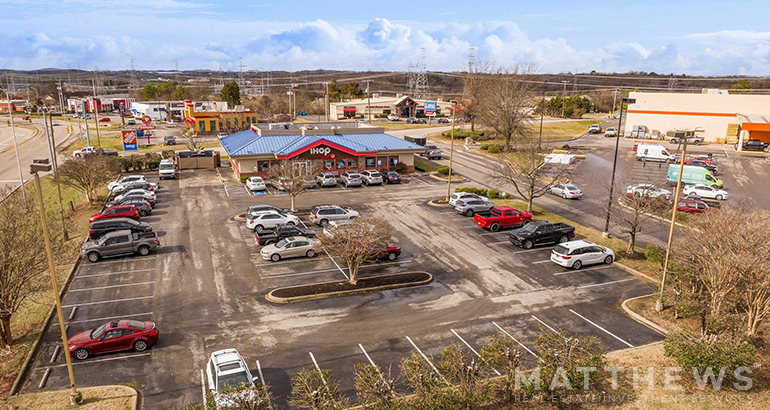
(114, 336)
(389, 251)
(501, 217)
(105, 119)
(703, 158)
(692, 206)
(117, 211)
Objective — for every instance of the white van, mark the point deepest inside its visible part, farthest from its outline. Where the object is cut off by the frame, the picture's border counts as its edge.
(653, 152)
(167, 169)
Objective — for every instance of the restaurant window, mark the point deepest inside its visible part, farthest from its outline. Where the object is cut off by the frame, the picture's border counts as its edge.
(392, 161)
(370, 162)
(263, 166)
(201, 126)
(386, 111)
(353, 163)
(212, 124)
(380, 162)
(340, 164)
(328, 164)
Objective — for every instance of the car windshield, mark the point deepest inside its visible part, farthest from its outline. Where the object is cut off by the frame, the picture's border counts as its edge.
(431, 147)
(166, 167)
(281, 243)
(256, 179)
(561, 249)
(529, 228)
(571, 187)
(232, 380)
(375, 174)
(96, 333)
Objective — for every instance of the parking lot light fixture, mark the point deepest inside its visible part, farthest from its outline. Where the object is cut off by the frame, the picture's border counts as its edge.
(43, 165)
(606, 232)
(659, 302)
(451, 151)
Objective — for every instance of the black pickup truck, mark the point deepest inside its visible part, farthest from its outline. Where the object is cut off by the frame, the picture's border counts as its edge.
(268, 236)
(541, 232)
(754, 145)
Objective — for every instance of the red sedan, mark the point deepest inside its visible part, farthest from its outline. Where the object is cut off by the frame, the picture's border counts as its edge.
(105, 119)
(114, 336)
(117, 211)
(389, 251)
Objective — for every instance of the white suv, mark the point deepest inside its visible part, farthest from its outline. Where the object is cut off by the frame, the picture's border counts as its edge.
(327, 179)
(349, 178)
(463, 195)
(323, 214)
(371, 177)
(126, 180)
(227, 369)
(269, 220)
(576, 254)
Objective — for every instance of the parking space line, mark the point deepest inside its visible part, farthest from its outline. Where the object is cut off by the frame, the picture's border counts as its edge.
(225, 187)
(493, 233)
(203, 389)
(518, 342)
(286, 275)
(287, 262)
(544, 324)
(100, 360)
(601, 328)
(109, 301)
(605, 283)
(539, 262)
(247, 190)
(329, 255)
(320, 373)
(428, 361)
(529, 250)
(99, 319)
(498, 243)
(581, 270)
(123, 260)
(419, 180)
(115, 273)
(379, 372)
(113, 286)
(474, 351)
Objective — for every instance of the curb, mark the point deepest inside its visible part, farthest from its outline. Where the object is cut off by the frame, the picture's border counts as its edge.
(434, 202)
(454, 174)
(33, 133)
(134, 405)
(635, 272)
(641, 319)
(329, 295)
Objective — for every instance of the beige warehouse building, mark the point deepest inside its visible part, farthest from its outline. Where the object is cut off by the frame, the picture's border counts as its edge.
(719, 116)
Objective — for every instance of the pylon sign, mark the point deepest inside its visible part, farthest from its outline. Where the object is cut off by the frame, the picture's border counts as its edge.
(146, 119)
(130, 141)
(430, 108)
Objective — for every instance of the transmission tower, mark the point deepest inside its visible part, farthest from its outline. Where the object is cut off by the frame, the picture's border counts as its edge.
(471, 59)
(421, 79)
(411, 80)
(132, 74)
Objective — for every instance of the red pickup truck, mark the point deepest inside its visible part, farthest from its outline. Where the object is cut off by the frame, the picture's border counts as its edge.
(501, 217)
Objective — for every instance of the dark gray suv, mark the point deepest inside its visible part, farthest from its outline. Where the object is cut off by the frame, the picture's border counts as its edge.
(101, 227)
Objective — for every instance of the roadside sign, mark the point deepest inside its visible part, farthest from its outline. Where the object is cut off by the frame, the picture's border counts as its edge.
(430, 108)
(146, 127)
(146, 119)
(129, 141)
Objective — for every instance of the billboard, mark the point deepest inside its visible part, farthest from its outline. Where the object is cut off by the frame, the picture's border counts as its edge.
(430, 108)
(129, 141)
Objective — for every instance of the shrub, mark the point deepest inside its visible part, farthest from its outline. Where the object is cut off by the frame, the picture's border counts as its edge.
(168, 154)
(400, 167)
(493, 194)
(476, 135)
(443, 170)
(485, 146)
(473, 190)
(655, 253)
(494, 149)
(244, 178)
(506, 196)
(709, 351)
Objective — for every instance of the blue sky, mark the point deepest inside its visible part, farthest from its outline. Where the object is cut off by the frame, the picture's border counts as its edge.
(704, 37)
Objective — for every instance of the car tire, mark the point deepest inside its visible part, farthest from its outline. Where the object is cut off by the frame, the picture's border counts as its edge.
(140, 346)
(275, 257)
(469, 213)
(577, 265)
(93, 257)
(673, 141)
(291, 223)
(564, 195)
(392, 256)
(324, 223)
(608, 260)
(143, 213)
(259, 228)
(144, 250)
(563, 238)
(526, 221)
(527, 244)
(81, 354)
(495, 227)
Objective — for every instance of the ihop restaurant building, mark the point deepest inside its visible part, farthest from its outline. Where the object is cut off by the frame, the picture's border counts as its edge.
(335, 147)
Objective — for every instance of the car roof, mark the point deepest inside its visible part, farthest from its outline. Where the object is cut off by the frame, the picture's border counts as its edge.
(117, 233)
(577, 244)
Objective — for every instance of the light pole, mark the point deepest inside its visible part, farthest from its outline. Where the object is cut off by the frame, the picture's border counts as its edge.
(542, 113)
(65, 234)
(564, 98)
(451, 151)
(9, 106)
(96, 117)
(289, 93)
(43, 165)
(326, 101)
(606, 232)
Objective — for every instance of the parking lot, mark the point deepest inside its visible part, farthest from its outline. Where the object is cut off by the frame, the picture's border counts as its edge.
(205, 290)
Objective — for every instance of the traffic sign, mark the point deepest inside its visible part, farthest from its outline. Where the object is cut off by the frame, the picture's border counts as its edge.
(130, 141)
(146, 127)
(430, 108)
(146, 119)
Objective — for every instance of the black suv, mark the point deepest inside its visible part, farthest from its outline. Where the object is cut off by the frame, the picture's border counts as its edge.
(103, 226)
(754, 145)
(169, 140)
(143, 207)
(268, 236)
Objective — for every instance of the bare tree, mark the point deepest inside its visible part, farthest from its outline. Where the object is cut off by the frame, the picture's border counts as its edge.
(22, 257)
(419, 376)
(528, 172)
(634, 211)
(315, 390)
(499, 353)
(191, 139)
(373, 385)
(243, 397)
(294, 177)
(357, 242)
(87, 174)
(503, 99)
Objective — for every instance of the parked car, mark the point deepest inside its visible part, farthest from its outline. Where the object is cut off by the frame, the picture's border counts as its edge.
(611, 132)
(113, 336)
(501, 217)
(131, 122)
(323, 214)
(540, 233)
(576, 254)
(692, 175)
(269, 220)
(143, 207)
(566, 191)
(595, 129)
(147, 186)
(705, 191)
(463, 195)
(104, 119)
(255, 184)
(703, 164)
(431, 152)
(226, 369)
(371, 177)
(167, 169)
(692, 206)
(444, 120)
(291, 247)
(350, 178)
(653, 152)
(117, 211)
(125, 180)
(387, 251)
(100, 227)
(117, 243)
(391, 177)
(648, 190)
(393, 117)
(151, 197)
(708, 159)
(123, 198)
(471, 206)
(88, 151)
(414, 120)
(326, 179)
(269, 236)
(676, 139)
(169, 140)
(258, 208)
(754, 145)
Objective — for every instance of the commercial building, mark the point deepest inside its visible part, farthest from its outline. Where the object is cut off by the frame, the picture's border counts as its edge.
(14, 105)
(159, 110)
(208, 117)
(721, 117)
(329, 147)
(403, 106)
(102, 103)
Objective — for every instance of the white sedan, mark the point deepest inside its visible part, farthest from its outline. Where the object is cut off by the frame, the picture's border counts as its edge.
(705, 191)
(255, 184)
(566, 191)
(269, 220)
(648, 190)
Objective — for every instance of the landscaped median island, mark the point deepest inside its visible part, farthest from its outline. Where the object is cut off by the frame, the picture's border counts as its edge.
(365, 284)
(94, 398)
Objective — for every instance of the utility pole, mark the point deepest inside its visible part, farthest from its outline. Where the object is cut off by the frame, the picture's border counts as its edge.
(606, 232)
(614, 100)
(15, 145)
(65, 234)
(96, 117)
(451, 151)
(368, 101)
(659, 302)
(326, 101)
(542, 113)
(564, 98)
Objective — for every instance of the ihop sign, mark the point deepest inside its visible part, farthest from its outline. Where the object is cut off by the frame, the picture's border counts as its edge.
(321, 151)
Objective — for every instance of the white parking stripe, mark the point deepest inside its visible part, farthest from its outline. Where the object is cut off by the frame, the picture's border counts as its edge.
(247, 190)
(473, 350)
(539, 262)
(428, 361)
(109, 301)
(514, 339)
(320, 373)
(113, 286)
(382, 377)
(122, 261)
(99, 360)
(114, 273)
(286, 275)
(529, 250)
(267, 264)
(601, 328)
(493, 233)
(101, 319)
(605, 283)
(419, 180)
(544, 324)
(498, 243)
(581, 270)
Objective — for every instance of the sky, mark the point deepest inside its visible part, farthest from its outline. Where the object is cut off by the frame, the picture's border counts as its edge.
(555, 36)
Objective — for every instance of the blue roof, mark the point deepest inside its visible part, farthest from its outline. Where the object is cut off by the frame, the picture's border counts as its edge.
(250, 143)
